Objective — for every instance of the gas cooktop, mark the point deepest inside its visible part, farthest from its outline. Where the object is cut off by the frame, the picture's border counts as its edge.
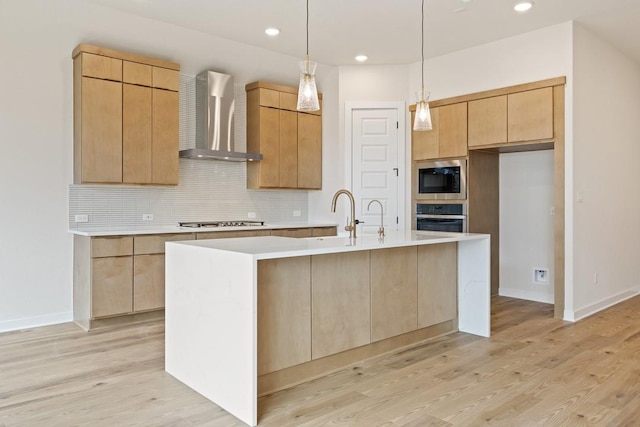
(242, 223)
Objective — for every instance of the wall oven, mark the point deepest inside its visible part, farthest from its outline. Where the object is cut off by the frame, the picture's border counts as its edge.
(441, 217)
(440, 180)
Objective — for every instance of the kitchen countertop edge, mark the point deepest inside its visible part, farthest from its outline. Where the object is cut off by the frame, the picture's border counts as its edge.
(186, 230)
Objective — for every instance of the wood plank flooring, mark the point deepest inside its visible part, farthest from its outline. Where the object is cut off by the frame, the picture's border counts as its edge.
(534, 371)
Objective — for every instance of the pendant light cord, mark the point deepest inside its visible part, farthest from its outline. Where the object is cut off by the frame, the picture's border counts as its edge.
(308, 28)
(422, 46)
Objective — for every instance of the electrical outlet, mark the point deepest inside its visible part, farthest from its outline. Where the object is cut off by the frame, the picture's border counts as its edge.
(251, 215)
(82, 218)
(541, 275)
(296, 213)
(147, 217)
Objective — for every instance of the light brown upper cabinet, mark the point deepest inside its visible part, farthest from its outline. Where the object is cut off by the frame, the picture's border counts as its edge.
(448, 138)
(512, 118)
(125, 118)
(289, 141)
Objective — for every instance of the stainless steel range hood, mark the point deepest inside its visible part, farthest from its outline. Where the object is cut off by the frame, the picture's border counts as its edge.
(215, 110)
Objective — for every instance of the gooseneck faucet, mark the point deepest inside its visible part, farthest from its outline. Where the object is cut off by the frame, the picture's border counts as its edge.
(351, 226)
(381, 229)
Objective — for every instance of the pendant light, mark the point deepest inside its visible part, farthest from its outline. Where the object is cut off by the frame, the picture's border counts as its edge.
(422, 120)
(307, 91)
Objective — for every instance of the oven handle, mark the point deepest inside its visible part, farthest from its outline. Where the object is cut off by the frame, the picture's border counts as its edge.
(418, 216)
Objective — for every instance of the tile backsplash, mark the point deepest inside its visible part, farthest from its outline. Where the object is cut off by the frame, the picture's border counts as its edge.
(208, 190)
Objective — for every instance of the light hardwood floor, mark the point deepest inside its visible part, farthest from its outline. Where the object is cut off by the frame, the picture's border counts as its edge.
(534, 370)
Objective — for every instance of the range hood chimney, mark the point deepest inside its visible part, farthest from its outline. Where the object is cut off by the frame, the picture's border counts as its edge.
(215, 110)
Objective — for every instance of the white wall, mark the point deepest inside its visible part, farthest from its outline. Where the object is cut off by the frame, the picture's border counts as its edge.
(36, 39)
(526, 224)
(606, 151)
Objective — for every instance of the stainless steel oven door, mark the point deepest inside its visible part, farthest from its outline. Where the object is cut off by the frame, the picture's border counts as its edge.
(448, 223)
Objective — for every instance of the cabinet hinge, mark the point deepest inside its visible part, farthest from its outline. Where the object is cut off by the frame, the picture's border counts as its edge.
(397, 221)
(397, 125)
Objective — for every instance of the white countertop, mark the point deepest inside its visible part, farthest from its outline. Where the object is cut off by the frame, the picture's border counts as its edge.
(177, 230)
(269, 247)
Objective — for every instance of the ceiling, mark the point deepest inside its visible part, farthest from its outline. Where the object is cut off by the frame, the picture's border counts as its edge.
(388, 31)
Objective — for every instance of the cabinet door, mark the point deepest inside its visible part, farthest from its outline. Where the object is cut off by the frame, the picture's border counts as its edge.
(309, 151)
(136, 134)
(425, 144)
(148, 282)
(101, 146)
(288, 149)
(341, 306)
(530, 115)
(164, 156)
(284, 313)
(488, 121)
(292, 232)
(437, 283)
(269, 147)
(394, 286)
(452, 129)
(112, 286)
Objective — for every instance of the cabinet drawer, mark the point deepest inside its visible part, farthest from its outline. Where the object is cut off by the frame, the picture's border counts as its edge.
(229, 234)
(111, 246)
(324, 231)
(154, 244)
(163, 78)
(137, 74)
(292, 232)
(101, 67)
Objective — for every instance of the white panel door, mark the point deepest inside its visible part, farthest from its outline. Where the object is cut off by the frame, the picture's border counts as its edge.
(375, 166)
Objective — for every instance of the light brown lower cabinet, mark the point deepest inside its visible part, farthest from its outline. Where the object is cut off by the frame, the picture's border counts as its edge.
(124, 275)
(394, 286)
(148, 282)
(111, 286)
(437, 283)
(341, 308)
(284, 310)
(318, 306)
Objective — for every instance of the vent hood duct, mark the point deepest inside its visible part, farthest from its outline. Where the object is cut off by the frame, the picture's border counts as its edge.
(215, 110)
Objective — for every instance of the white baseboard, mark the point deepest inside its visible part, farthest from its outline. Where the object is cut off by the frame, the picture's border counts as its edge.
(573, 316)
(34, 322)
(524, 294)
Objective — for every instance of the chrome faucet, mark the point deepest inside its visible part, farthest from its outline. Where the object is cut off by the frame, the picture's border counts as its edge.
(351, 226)
(381, 229)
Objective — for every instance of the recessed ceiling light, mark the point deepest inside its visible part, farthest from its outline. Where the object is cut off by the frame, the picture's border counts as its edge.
(272, 31)
(523, 6)
(361, 58)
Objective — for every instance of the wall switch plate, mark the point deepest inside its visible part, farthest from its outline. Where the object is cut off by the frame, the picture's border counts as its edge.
(251, 215)
(82, 218)
(296, 213)
(541, 275)
(147, 217)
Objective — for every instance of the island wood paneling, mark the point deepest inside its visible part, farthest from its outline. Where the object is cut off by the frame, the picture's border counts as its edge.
(394, 286)
(284, 313)
(437, 283)
(341, 306)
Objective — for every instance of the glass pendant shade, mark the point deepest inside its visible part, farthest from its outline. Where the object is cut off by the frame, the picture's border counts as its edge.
(422, 120)
(307, 91)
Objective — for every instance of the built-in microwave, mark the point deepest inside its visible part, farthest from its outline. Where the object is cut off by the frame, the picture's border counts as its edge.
(440, 180)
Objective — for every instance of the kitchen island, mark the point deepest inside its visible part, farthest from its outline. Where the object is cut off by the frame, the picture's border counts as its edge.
(246, 317)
